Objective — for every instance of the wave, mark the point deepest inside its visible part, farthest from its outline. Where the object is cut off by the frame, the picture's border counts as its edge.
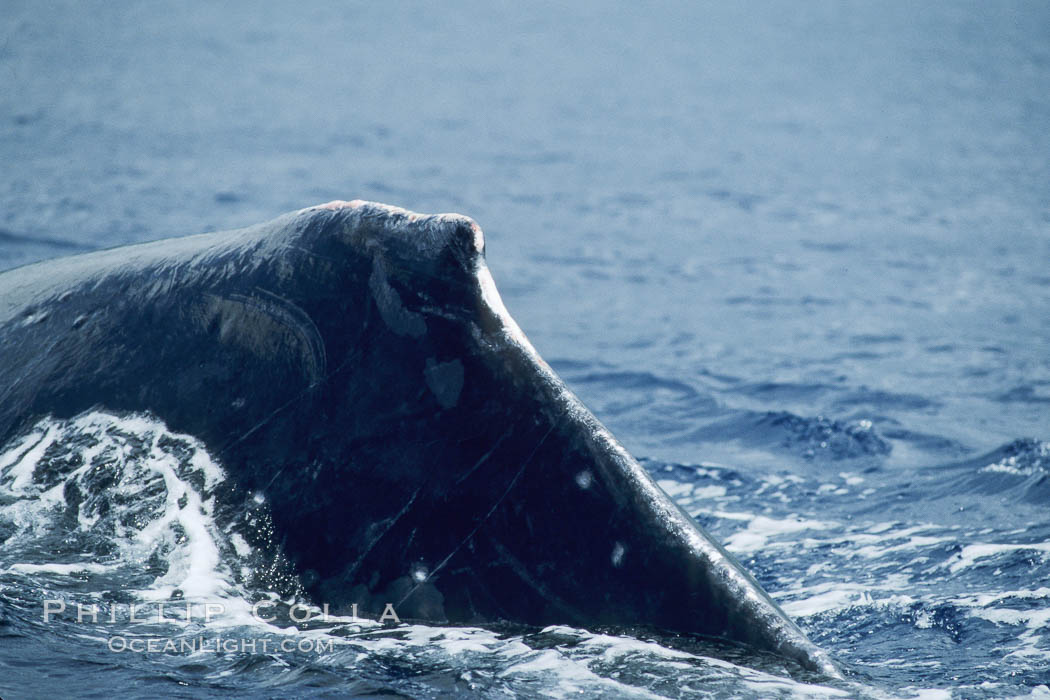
(815, 438)
(1016, 471)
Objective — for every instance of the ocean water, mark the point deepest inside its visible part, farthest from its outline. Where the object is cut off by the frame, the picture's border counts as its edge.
(794, 256)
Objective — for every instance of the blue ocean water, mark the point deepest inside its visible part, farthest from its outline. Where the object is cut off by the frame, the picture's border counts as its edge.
(794, 256)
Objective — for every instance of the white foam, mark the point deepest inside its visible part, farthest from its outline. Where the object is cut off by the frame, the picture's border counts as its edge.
(578, 665)
(240, 545)
(193, 570)
(927, 693)
(912, 542)
(21, 472)
(986, 599)
(1009, 465)
(972, 553)
(682, 490)
(194, 564)
(839, 595)
(675, 489)
(61, 569)
(761, 528)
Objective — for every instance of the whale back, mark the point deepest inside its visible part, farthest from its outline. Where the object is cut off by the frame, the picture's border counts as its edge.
(353, 365)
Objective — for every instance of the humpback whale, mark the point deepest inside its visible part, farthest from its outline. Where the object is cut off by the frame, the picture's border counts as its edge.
(353, 364)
